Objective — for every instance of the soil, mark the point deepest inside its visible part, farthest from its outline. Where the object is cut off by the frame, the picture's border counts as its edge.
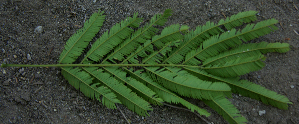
(42, 95)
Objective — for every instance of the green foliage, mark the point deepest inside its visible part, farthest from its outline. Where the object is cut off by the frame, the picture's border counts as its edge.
(213, 57)
(227, 110)
(79, 41)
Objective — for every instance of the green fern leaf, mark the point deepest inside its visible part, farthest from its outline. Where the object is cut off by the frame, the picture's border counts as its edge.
(217, 44)
(181, 82)
(112, 38)
(237, 67)
(157, 56)
(262, 28)
(227, 110)
(164, 93)
(124, 94)
(247, 50)
(79, 41)
(83, 81)
(254, 91)
(238, 19)
(193, 39)
(135, 85)
(275, 47)
(246, 88)
(140, 36)
(168, 34)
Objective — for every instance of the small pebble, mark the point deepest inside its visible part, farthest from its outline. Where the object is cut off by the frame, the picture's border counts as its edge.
(292, 86)
(28, 57)
(3, 50)
(55, 110)
(262, 112)
(254, 113)
(21, 70)
(38, 29)
(15, 56)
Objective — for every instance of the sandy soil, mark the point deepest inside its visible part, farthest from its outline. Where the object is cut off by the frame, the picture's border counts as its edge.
(42, 95)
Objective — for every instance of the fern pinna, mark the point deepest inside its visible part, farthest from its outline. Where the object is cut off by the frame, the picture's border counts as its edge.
(136, 66)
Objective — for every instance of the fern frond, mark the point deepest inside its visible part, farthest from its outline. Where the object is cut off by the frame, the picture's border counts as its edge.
(79, 41)
(227, 110)
(254, 91)
(136, 86)
(237, 67)
(276, 47)
(217, 44)
(247, 50)
(262, 28)
(164, 93)
(83, 81)
(181, 82)
(112, 38)
(161, 19)
(124, 94)
(193, 39)
(238, 19)
(157, 56)
(139, 36)
(246, 88)
(168, 34)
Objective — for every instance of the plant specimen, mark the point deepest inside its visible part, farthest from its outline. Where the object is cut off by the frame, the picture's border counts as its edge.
(137, 66)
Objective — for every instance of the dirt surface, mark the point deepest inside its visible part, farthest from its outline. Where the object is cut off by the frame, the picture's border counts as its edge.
(42, 95)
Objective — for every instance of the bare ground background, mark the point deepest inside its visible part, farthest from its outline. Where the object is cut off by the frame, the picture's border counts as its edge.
(42, 95)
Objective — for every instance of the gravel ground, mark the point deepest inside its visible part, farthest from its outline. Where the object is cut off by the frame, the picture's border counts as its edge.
(35, 31)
